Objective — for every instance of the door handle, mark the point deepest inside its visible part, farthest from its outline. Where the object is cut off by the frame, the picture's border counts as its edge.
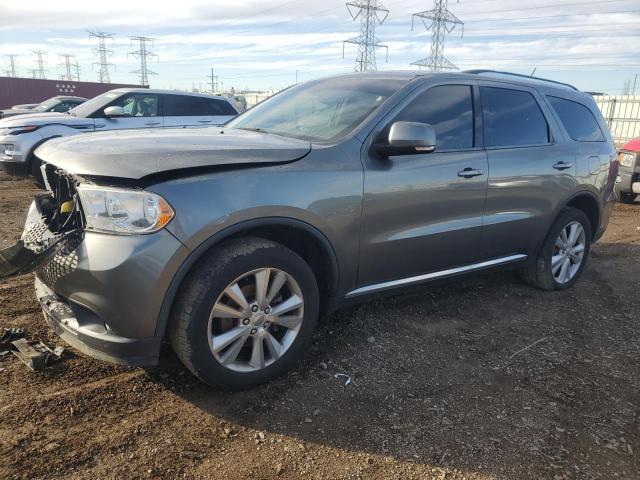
(205, 121)
(152, 124)
(470, 172)
(100, 125)
(562, 165)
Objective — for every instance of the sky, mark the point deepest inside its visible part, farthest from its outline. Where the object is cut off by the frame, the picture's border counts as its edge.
(267, 44)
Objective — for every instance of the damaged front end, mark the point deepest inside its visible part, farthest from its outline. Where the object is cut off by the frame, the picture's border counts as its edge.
(54, 218)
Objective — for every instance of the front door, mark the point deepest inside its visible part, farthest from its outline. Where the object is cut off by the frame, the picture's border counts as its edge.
(423, 212)
(142, 110)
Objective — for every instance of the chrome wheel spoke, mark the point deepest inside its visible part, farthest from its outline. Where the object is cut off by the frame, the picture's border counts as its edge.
(225, 339)
(232, 352)
(556, 263)
(220, 310)
(578, 248)
(559, 244)
(257, 354)
(291, 303)
(565, 270)
(276, 285)
(574, 229)
(262, 283)
(288, 321)
(234, 292)
(274, 347)
(563, 236)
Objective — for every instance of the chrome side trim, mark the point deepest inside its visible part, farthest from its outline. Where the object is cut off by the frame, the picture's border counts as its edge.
(433, 275)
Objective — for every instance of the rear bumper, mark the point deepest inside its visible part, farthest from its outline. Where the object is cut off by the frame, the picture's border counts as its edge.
(86, 332)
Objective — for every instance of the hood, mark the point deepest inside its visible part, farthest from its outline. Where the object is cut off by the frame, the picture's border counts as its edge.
(47, 118)
(134, 154)
(632, 145)
(14, 111)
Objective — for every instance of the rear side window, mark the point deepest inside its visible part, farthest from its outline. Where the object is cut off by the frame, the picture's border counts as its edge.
(449, 110)
(188, 106)
(512, 118)
(577, 119)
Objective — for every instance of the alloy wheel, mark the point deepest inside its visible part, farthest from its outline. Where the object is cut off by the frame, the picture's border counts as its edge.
(255, 320)
(568, 252)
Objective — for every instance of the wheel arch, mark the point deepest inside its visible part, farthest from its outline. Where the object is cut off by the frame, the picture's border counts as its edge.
(301, 237)
(589, 205)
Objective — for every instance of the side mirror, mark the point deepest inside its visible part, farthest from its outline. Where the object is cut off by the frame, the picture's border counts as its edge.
(114, 112)
(409, 138)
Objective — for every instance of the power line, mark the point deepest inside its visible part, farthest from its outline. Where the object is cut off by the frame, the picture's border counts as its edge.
(441, 23)
(369, 12)
(71, 68)
(11, 71)
(103, 53)
(39, 71)
(144, 55)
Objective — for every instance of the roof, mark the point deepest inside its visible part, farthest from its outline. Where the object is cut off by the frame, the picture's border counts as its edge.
(63, 97)
(166, 92)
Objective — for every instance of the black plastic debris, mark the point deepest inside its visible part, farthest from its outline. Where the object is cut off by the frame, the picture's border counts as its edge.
(9, 335)
(37, 356)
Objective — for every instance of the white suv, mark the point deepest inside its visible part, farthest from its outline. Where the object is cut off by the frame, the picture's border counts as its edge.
(126, 108)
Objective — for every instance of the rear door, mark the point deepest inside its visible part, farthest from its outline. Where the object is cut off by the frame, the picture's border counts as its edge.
(423, 212)
(531, 169)
(190, 110)
(143, 110)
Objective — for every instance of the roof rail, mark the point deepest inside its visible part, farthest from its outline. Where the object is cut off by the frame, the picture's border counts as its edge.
(479, 71)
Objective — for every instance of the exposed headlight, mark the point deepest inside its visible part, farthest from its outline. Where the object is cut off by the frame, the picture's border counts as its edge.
(7, 149)
(18, 130)
(120, 211)
(626, 159)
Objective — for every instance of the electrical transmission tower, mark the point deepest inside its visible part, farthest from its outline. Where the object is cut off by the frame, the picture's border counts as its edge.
(369, 12)
(143, 54)
(441, 22)
(11, 71)
(214, 81)
(71, 68)
(103, 53)
(39, 71)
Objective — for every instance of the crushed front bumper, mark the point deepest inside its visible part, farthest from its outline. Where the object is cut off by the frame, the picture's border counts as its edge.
(83, 330)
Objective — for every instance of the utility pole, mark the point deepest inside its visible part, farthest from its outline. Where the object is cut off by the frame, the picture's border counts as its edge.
(369, 12)
(441, 22)
(103, 53)
(214, 81)
(633, 89)
(11, 71)
(40, 62)
(69, 64)
(143, 54)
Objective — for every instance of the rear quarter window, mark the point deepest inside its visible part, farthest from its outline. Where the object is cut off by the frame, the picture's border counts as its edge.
(578, 120)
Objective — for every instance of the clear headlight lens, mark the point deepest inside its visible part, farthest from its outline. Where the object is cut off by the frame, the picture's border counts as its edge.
(627, 159)
(6, 149)
(120, 211)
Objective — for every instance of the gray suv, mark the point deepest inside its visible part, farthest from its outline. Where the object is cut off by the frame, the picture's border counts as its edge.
(231, 241)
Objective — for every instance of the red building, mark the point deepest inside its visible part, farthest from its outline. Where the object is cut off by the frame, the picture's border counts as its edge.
(15, 91)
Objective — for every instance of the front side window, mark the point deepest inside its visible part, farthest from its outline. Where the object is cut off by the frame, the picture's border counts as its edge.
(512, 118)
(448, 109)
(577, 119)
(324, 110)
(138, 105)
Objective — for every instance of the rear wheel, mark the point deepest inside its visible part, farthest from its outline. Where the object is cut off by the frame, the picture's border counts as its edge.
(564, 253)
(245, 314)
(627, 197)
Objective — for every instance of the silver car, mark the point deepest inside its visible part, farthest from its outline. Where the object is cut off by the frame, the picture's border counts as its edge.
(230, 242)
(59, 104)
(127, 108)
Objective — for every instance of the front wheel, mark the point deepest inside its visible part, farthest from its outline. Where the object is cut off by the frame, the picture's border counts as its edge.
(625, 197)
(564, 253)
(245, 313)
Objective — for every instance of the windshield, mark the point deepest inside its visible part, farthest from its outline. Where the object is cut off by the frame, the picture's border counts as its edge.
(47, 105)
(324, 110)
(90, 106)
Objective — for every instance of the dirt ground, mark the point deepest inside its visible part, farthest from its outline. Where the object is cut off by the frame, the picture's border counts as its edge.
(442, 388)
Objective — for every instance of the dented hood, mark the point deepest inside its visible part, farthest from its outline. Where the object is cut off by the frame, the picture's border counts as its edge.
(135, 154)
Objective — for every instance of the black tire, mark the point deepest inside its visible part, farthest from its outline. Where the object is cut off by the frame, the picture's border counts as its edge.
(540, 274)
(189, 320)
(626, 197)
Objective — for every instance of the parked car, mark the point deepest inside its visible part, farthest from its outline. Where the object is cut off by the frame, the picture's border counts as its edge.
(54, 104)
(628, 181)
(25, 106)
(232, 241)
(128, 108)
